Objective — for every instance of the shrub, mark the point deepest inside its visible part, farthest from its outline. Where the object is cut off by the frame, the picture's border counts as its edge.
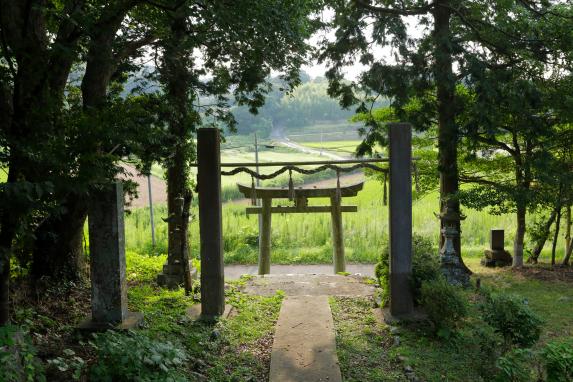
(444, 304)
(18, 361)
(425, 267)
(558, 359)
(511, 317)
(515, 366)
(136, 357)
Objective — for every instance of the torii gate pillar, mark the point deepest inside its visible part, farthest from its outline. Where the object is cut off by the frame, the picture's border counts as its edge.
(400, 150)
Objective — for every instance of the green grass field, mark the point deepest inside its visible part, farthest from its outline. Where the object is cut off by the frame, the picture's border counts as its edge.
(306, 238)
(342, 130)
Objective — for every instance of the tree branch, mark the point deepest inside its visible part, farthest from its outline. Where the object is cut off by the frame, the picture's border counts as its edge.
(394, 11)
(131, 47)
(495, 142)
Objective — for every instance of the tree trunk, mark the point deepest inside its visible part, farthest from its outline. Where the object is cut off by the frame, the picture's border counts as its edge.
(8, 225)
(447, 129)
(58, 250)
(556, 235)
(542, 239)
(519, 235)
(176, 76)
(6, 237)
(568, 241)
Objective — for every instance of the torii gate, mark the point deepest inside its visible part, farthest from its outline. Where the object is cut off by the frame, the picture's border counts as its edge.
(300, 196)
(211, 230)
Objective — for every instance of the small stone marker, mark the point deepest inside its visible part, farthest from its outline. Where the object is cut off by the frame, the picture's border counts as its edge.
(107, 255)
(496, 256)
(496, 239)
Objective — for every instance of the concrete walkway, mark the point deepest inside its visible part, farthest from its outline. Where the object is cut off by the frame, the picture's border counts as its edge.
(304, 347)
(233, 272)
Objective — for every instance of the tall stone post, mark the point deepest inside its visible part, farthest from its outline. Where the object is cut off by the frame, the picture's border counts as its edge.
(210, 223)
(400, 150)
(107, 256)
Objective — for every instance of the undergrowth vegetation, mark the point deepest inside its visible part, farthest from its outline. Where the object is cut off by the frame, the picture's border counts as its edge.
(168, 347)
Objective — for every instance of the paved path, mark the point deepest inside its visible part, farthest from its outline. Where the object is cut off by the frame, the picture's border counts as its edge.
(304, 347)
(233, 272)
(308, 285)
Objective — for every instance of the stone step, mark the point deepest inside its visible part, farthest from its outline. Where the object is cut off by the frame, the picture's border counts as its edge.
(304, 347)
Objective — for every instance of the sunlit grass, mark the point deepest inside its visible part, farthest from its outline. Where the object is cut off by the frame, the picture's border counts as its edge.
(306, 238)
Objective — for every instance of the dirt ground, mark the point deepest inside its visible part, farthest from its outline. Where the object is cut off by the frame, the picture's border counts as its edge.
(547, 273)
(158, 188)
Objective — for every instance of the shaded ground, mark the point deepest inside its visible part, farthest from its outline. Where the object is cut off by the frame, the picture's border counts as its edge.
(547, 274)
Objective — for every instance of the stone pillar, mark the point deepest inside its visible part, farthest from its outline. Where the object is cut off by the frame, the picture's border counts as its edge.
(210, 223)
(400, 216)
(265, 238)
(337, 235)
(496, 255)
(107, 256)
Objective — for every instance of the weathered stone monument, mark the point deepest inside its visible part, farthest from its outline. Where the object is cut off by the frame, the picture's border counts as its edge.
(496, 255)
(450, 264)
(107, 256)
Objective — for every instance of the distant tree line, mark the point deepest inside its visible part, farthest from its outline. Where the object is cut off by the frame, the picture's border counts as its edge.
(306, 105)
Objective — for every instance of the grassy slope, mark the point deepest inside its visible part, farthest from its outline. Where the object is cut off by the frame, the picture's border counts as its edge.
(238, 351)
(365, 348)
(363, 345)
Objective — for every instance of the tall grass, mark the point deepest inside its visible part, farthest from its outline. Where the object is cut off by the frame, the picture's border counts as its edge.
(306, 238)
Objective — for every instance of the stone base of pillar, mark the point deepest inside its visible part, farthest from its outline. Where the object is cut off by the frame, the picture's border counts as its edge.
(454, 271)
(132, 321)
(417, 315)
(173, 275)
(194, 313)
(496, 258)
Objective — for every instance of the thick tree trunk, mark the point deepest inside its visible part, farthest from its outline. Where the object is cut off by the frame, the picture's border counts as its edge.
(447, 129)
(568, 241)
(58, 249)
(536, 252)
(519, 235)
(8, 224)
(175, 73)
(6, 237)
